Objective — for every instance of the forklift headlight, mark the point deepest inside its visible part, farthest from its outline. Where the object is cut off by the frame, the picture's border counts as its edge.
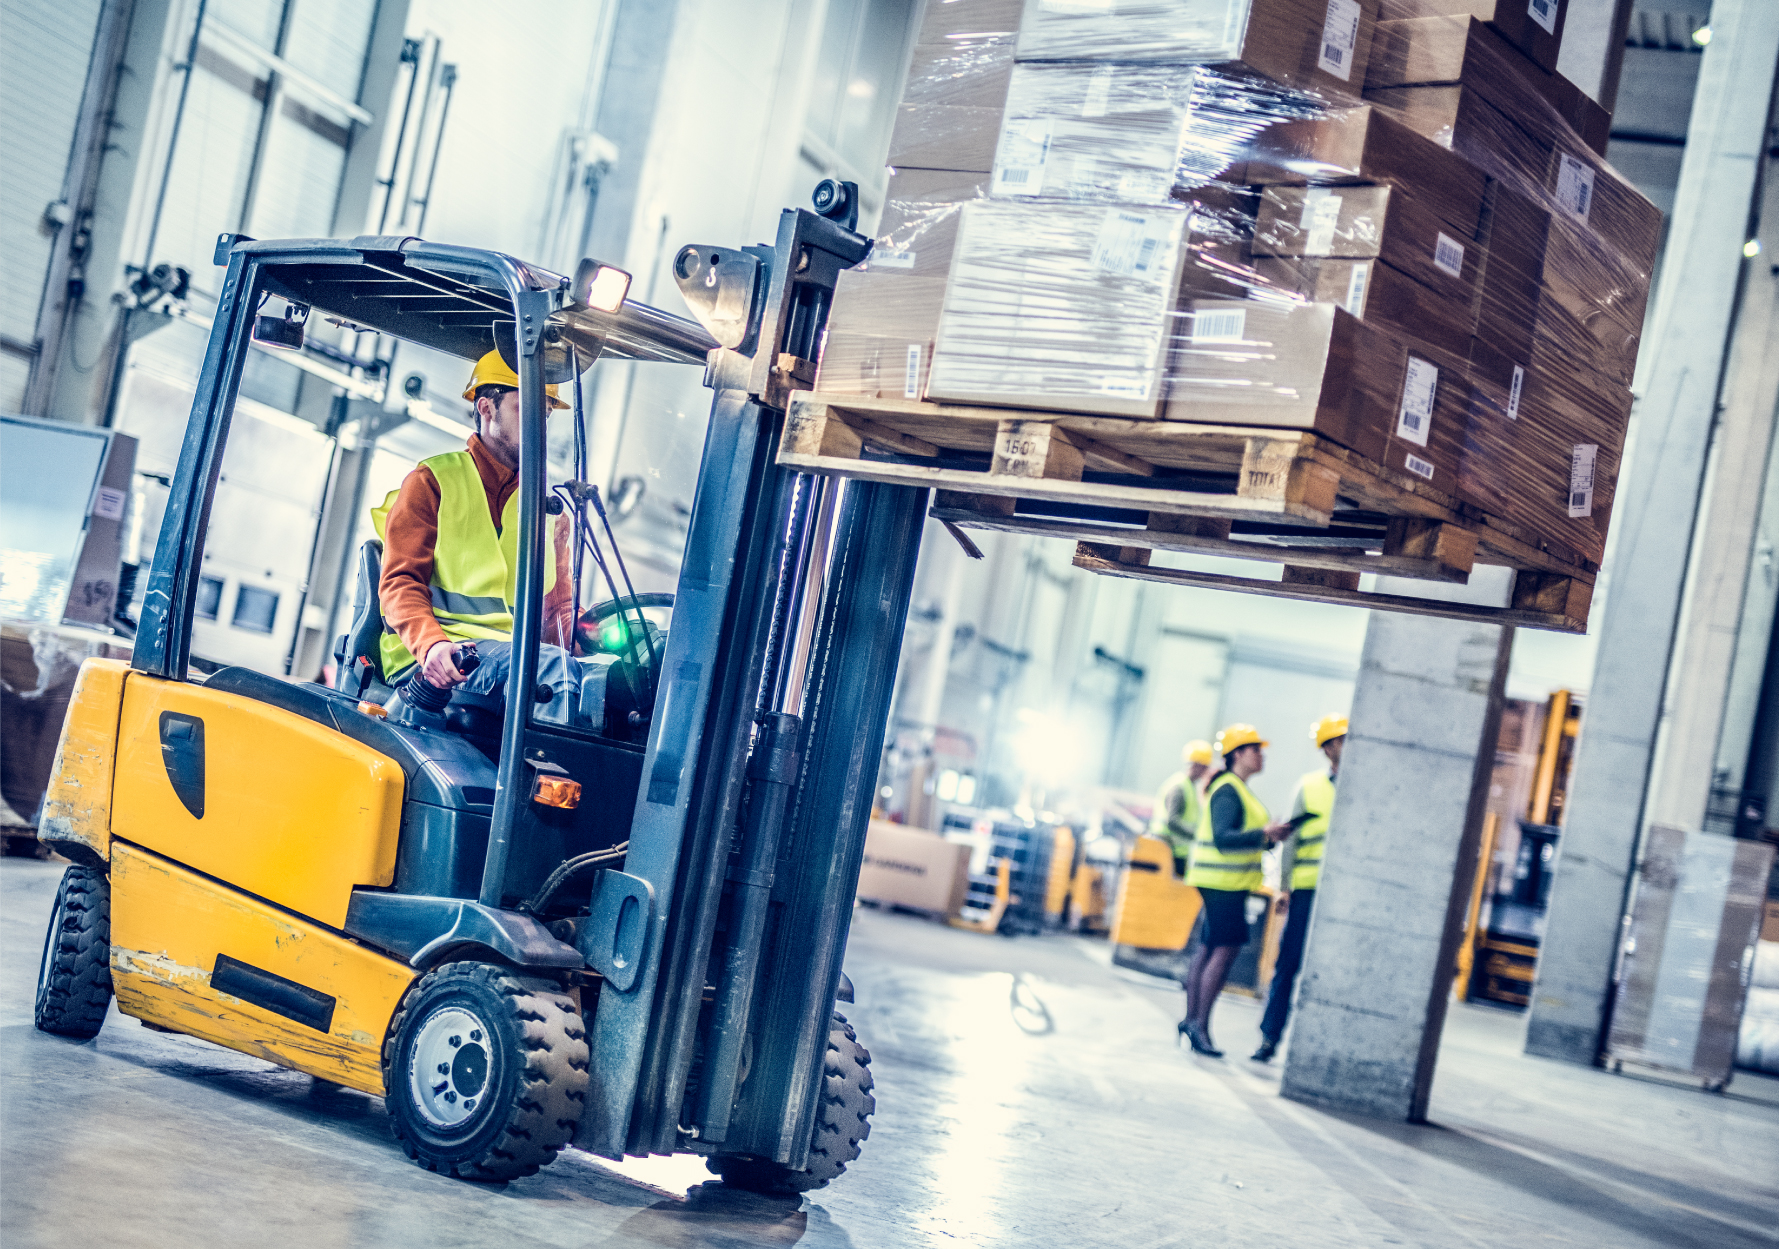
(599, 286)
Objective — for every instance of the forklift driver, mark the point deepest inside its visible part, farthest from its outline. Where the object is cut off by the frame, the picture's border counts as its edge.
(449, 563)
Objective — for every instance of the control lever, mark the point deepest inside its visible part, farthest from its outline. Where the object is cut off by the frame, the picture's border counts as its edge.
(423, 695)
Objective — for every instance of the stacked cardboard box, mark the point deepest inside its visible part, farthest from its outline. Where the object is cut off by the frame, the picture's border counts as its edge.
(1160, 211)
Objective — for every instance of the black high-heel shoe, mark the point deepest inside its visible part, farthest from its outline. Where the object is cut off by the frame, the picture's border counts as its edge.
(1201, 1044)
(1181, 1029)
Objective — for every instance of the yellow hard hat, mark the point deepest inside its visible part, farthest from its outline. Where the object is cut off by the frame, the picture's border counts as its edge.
(1198, 752)
(1328, 728)
(1238, 735)
(491, 370)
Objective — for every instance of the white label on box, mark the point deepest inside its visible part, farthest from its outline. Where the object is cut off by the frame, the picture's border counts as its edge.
(1357, 282)
(1448, 255)
(1416, 465)
(1019, 164)
(1130, 244)
(1340, 35)
(1544, 12)
(1575, 187)
(1513, 393)
(1419, 385)
(890, 260)
(1581, 479)
(108, 504)
(1099, 93)
(1320, 218)
(1124, 387)
(911, 376)
(1220, 325)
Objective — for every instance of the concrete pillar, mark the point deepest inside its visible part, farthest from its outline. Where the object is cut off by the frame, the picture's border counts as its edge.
(1657, 505)
(1401, 855)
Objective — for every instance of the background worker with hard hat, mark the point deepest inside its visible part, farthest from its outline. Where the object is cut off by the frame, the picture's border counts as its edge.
(450, 557)
(1233, 834)
(1179, 806)
(1300, 872)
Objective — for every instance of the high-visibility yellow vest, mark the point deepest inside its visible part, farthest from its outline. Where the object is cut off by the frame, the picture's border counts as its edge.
(1213, 869)
(475, 569)
(1317, 789)
(1182, 830)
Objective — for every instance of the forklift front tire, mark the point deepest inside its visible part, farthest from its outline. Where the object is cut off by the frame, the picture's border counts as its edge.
(74, 978)
(842, 1122)
(485, 1072)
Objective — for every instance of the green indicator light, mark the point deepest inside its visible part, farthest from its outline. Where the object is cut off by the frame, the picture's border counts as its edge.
(612, 636)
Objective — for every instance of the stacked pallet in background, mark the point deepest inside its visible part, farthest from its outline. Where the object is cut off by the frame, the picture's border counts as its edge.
(1332, 258)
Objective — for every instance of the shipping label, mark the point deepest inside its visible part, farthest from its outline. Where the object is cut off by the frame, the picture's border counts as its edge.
(1544, 12)
(1340, 35)
(911, 374)
(1020, 161)
(1357, 281)
(1416, 465)
(108, 504)
(1513, 393)
(1448, 255)
(1419, 386)
(890, 260)
(1135, 245)
(1219, 325)
(1575, 187)
(1319, 220)
(1581, 479)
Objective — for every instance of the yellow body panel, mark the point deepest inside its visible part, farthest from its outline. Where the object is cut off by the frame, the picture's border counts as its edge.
(293, 811)
(1062, 871)
(1155, 910)
(77, 805)
(167, 927)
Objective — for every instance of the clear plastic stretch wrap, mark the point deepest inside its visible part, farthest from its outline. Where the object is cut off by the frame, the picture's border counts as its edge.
(1447, 280)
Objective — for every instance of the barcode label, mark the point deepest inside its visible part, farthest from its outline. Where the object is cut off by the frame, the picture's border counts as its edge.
(1544, 12)
(108, 504)
(1415, 416)
(1340, 34)
(1581, 479)
(890, 260)
(1575, 187)
(1021, 158)
(1319, 220)
(1219, 325)
(1131, 244)
(1513, 393)
(911, 376)
(1448, 255)
(1416, 465)
(1125, 387)
(1099, 93)
(1357, 281)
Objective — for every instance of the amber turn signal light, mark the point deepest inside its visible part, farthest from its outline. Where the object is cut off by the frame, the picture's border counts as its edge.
(374, 709)
(556, 791)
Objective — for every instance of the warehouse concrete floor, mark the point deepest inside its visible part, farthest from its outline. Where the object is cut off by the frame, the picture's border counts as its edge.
(1028, 1095)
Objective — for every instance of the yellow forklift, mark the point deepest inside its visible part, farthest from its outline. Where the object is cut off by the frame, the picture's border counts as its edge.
(618, 921)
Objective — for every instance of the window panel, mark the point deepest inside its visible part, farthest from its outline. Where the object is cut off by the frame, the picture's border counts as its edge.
(256, 19)
(300, 176)
(327, 41)
(208, 182)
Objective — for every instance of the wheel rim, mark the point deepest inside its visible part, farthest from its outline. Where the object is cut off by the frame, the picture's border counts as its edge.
(449, 1065)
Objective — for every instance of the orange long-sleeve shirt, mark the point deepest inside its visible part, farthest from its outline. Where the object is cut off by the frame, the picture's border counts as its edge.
(410, 533)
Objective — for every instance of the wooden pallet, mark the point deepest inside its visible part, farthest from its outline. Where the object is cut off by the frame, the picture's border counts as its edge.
(1291, 477)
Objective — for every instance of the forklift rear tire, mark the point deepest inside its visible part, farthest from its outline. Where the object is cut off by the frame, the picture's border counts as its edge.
(842, 1122)
(74, 978)
(485, 1072)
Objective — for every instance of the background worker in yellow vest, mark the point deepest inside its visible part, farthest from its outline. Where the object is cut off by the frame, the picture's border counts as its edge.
(450, 557)
(1179, 804)
(1233, 834)
(1299, 873)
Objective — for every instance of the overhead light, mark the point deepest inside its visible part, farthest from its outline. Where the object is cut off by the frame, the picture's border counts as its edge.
(1751, 248)
(1702, 36)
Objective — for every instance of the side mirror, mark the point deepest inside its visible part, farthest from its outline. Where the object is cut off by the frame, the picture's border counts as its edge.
(285, 332)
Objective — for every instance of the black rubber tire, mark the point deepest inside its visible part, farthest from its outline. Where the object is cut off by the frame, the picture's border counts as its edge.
(842, 1122)
(74, 976)
(536, 1073)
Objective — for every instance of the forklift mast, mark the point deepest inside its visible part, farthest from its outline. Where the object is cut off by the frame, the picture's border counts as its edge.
(720, 941)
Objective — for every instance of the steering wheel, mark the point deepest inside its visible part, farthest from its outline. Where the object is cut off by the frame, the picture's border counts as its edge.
(591, 628)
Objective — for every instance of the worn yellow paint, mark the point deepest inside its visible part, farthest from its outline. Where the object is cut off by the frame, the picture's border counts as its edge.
(77, 805)
(1154, 910)
(294, 812)
(167, 927)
